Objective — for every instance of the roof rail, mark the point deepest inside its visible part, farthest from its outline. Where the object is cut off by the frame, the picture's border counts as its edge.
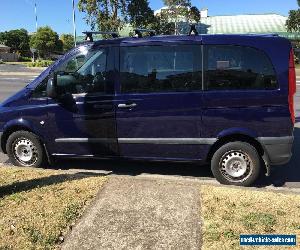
(193, 31)
(89, 34)
(139, 32)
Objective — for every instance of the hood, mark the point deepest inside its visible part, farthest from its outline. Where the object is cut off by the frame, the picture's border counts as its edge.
(17, 98)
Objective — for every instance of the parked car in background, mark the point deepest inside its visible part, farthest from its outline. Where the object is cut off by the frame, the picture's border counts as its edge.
(226, 100)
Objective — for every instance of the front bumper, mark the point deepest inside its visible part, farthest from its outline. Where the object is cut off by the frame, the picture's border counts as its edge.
(278, 149)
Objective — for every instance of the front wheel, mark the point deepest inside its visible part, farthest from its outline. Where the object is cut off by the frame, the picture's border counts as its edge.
(236, 163)
(25, 149)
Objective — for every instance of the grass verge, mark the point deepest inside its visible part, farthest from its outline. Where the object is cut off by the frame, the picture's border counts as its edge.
(228, 212)
(38, 207)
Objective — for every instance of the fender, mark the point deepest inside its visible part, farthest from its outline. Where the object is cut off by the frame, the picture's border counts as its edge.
(22, 123)
(249, 133)
(18, 122)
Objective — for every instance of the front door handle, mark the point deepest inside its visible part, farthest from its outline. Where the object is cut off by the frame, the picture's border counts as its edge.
(127, 105)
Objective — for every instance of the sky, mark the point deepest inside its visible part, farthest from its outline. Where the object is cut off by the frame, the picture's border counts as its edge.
(15, 14)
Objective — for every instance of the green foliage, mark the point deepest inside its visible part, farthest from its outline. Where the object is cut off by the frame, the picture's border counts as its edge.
(176, 3)
(33, 234)
(71, 212)
(162, 25)
(68, 41)
(293, 22)
(180, 11)
(18, 40)
(265, 220)
(105, 15)
(45, 40)
(140, 14)
(25, 59)
(40, 63)
(230, 234)
(194, 15)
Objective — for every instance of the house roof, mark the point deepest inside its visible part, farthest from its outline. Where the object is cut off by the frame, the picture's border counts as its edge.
(261, 23)
(2, 46)
(245, 24)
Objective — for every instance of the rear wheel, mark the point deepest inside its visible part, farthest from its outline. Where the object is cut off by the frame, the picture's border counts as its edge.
(25, 149)
(236, 163)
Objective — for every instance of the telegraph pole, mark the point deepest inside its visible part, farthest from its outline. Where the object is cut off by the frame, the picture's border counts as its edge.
(35, 11)
(74, 22)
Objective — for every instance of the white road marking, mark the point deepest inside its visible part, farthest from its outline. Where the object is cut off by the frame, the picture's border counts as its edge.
(14, 78)
(10, 78)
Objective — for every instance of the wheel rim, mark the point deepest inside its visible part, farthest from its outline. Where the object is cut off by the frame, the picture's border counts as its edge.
(25, 152)
(236, 166)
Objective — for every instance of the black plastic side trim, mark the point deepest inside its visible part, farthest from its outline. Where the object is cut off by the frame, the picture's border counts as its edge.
(278, 149)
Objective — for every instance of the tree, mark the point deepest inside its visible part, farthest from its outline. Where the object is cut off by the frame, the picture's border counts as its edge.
(293, 22)
(67, 41)
(194, 14)
(162, 24)
(140, 14)
(105, 15)
(177, 10)
(18, 40)
(45, 40)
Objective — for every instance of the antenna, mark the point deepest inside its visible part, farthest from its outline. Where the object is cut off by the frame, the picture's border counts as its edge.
(139, 32)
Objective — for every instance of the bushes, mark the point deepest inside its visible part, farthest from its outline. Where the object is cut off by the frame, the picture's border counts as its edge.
(40, 63)
(25, 59)
(1, 61)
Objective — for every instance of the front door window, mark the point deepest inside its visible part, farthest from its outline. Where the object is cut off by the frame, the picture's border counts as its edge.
(85, 72)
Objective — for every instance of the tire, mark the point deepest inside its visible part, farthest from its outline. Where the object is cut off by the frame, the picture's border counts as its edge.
(25, 149)
(236, 163)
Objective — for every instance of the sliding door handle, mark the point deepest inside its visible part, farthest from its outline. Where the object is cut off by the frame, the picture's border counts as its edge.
(127, 105)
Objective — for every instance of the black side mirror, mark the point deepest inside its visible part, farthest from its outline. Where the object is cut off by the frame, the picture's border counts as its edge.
(52, 87)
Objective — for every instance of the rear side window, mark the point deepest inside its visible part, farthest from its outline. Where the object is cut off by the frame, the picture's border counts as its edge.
(237, 67)
(160, 68)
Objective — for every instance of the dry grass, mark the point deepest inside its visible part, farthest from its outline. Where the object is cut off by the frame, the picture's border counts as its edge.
(228, 212)
(38, 207)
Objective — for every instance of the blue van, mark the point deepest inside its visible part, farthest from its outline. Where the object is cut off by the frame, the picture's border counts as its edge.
(226, 100)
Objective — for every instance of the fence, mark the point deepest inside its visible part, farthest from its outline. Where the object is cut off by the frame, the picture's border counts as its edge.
(9, 57)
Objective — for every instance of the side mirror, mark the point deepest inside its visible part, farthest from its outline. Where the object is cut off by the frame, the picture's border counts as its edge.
(52, 88)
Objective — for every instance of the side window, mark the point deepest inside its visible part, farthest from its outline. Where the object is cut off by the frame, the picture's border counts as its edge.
(83, 73)
(160, 68)
(40, 90)
(237, 67)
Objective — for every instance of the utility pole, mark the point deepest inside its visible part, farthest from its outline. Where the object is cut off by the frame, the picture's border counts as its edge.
(35, 11)
(74, 22)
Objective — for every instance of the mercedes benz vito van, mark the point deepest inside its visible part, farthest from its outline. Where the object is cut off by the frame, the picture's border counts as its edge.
(226, 100)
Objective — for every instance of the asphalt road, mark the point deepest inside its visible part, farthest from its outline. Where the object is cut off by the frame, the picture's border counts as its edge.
(15, 77)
